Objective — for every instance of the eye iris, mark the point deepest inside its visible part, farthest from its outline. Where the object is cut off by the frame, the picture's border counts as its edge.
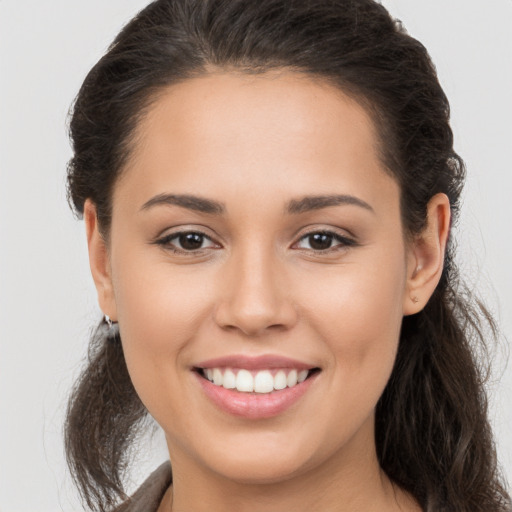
(320, 241)
(191, 241)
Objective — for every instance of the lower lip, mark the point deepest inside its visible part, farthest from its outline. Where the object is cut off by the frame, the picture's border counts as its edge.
(254, 405)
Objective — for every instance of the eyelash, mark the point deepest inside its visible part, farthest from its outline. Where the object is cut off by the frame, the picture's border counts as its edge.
(343, 242)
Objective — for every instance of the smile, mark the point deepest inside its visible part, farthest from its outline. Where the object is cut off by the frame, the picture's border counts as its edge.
(255, 387)
(262, 381)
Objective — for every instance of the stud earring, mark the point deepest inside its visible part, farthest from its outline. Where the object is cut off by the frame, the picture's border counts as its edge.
(113, 327)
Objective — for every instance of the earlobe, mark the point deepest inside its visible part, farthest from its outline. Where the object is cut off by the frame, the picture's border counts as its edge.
(426, 255)
(99, 262)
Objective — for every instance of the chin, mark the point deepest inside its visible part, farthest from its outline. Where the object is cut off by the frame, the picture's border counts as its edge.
(261, 471)
(259, 460)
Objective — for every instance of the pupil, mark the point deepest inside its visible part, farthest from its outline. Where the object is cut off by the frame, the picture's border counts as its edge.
(320, 241)
(191, 241)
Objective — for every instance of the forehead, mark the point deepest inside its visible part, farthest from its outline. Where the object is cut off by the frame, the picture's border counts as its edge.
(226, 132)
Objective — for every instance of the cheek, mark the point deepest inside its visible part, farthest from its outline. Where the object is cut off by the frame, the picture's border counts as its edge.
(156, 298)
(357, 311)
(159, 312)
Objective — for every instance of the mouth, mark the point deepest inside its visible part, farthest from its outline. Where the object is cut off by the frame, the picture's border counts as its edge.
(255, 387)
(263, 381)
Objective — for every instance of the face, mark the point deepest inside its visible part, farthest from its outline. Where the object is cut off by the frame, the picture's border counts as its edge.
(256, 240)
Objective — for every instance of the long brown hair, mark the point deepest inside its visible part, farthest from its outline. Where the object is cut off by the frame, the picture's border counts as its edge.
(432, 433)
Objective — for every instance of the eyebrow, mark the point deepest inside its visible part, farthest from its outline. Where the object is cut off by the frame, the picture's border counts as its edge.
(294, 207)
(190, 202)
(310, 203)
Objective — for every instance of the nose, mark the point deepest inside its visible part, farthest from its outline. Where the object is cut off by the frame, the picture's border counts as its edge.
(255, 298)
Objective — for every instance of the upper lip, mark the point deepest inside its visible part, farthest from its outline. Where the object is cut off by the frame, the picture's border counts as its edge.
(262, 362)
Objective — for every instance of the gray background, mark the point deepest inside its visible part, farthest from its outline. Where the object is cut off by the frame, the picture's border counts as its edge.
(47, 300)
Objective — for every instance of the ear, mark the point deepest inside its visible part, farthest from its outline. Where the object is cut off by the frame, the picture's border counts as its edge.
(99, 262)
(425, 257)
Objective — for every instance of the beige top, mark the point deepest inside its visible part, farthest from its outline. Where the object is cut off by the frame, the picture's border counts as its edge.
(148, 496)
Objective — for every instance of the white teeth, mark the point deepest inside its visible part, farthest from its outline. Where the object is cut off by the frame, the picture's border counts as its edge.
(229, 380)
(280, 380)
(217, 377)
(244, 381)
(292, 378)
(301, 377)
(262, 381)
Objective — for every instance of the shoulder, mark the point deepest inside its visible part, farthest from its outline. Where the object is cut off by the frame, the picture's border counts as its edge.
(148, 496)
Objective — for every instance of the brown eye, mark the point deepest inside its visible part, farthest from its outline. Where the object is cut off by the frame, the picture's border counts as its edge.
(324, 241)
(320, 241)
(186, 241)
(190, 241)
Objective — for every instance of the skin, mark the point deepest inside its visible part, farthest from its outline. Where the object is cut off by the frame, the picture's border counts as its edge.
(255, 143)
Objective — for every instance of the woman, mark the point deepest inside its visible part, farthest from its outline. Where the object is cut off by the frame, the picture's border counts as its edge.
(268, 189)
